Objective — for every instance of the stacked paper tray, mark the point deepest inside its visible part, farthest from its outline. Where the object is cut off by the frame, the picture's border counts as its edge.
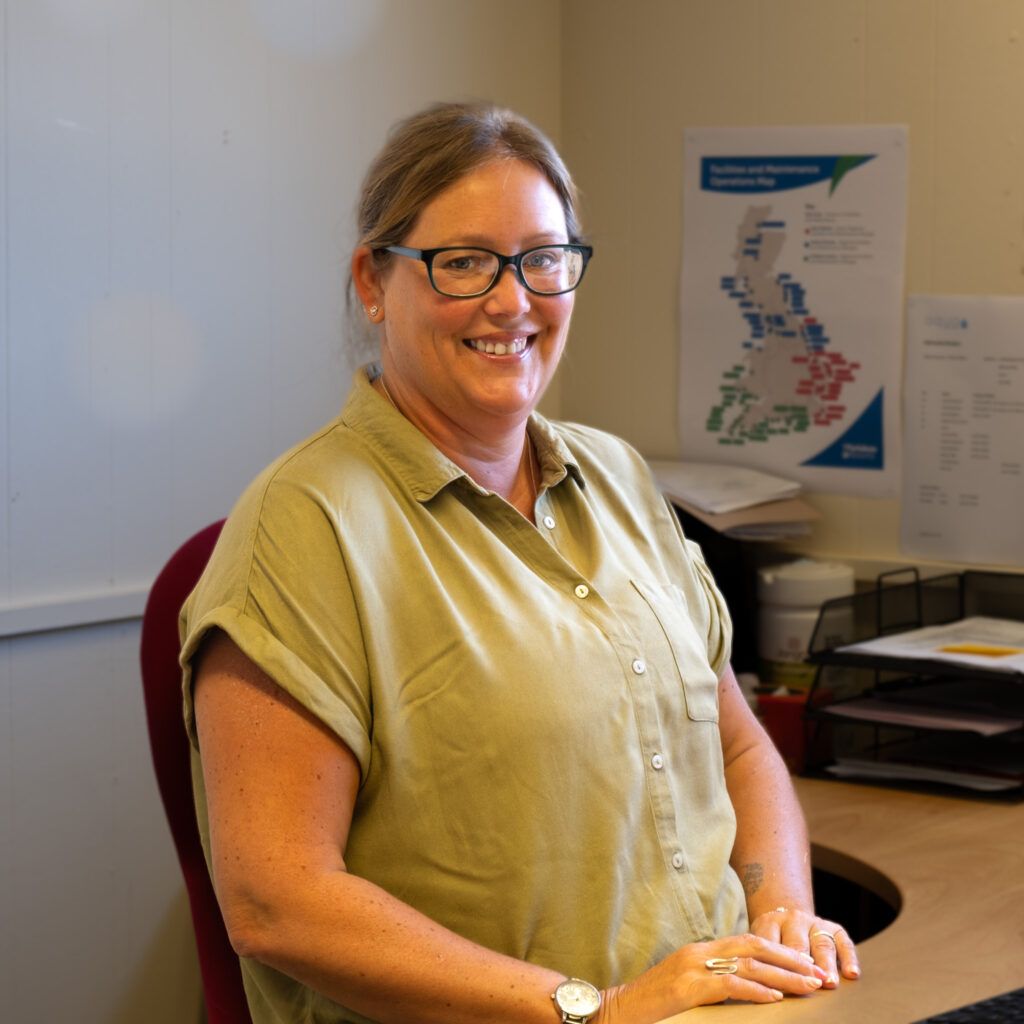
(922, 683)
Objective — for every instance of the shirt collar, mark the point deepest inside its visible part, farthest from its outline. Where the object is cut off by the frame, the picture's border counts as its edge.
(422, 467)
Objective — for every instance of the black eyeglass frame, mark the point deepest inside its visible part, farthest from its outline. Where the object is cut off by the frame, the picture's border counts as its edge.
(426, 256)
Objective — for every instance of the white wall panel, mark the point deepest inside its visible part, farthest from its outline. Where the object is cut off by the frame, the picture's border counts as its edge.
(8, 840)
(176, 196)
(89, 875)
(57, 262)
(5, 391)
(180, 184)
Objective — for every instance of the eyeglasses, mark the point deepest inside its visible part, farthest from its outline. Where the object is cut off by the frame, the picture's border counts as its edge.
(462, 272)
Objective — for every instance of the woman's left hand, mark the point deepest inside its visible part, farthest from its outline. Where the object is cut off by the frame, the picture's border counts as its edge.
(832, 948)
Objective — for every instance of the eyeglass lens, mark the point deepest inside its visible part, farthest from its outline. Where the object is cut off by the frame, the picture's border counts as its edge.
(470, 271)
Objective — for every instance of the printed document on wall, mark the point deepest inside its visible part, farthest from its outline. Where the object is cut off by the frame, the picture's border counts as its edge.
(791, 302)
(963, 407)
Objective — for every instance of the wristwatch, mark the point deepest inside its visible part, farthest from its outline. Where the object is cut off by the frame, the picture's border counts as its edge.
(576, 1000)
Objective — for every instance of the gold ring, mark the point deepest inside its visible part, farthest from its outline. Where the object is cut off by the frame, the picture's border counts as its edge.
(723, 964)
(831, 935)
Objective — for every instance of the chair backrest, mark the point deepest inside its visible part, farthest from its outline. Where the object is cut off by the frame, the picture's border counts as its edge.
(161, 684)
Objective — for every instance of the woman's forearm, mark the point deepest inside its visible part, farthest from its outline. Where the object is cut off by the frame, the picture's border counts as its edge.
(358, 945)
(771, 853)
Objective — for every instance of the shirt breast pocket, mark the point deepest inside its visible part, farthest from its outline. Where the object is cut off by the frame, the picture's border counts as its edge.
(689, 650)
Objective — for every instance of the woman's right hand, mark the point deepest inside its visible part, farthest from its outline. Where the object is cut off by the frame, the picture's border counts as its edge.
(765, 973)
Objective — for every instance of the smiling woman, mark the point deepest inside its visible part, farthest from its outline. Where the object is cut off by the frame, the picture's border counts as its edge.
(469, 369)
(466, 348)
(458, 687)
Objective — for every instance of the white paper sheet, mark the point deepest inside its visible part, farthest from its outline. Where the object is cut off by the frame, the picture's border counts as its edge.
(863, 768)
(963, 476)
(713, 487)
(977, 641)
(887, 712)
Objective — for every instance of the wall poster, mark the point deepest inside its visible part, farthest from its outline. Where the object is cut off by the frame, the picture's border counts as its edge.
(791, 302)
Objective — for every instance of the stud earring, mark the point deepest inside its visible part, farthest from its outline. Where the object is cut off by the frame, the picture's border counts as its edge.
(373, 310)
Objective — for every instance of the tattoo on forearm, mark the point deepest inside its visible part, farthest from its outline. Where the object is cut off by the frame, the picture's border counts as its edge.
(752, 878)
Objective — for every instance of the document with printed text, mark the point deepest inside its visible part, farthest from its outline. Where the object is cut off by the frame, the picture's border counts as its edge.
(963, 438)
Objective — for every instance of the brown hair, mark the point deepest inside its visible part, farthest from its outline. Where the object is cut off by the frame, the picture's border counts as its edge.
(433, 149)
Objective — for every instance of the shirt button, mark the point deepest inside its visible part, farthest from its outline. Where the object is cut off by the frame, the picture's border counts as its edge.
(582, 590)
(677, 860)
(549, 522)
(639, 666)
(657, 762)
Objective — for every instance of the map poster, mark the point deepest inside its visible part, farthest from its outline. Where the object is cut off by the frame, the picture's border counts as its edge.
(791, 302)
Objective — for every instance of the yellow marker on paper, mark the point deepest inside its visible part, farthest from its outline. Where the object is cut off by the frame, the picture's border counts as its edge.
(982, 650)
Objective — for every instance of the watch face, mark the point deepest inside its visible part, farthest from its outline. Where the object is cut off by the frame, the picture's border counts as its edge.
(578, 997)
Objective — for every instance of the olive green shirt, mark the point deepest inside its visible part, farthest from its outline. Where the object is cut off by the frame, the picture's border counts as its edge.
(533, 708)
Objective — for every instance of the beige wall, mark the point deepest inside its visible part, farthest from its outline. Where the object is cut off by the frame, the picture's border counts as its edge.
(636, 75)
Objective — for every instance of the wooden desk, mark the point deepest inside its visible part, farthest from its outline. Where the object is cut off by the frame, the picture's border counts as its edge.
(958, 866)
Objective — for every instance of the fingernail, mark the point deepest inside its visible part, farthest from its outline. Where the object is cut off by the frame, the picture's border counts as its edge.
(833, 980)
(776, 994)
(814, 982)
(854, 972)
(808, 957)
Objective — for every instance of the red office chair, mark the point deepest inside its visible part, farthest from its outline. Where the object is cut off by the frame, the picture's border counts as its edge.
(161, 685)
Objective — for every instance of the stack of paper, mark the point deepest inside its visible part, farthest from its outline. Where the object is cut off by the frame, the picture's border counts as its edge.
(865, 768)
(957, 759)
(977, 642)
(917, 716)
(739, 502)
(716, 488)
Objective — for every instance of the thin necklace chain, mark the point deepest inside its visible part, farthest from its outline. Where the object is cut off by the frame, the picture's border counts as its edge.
(387, 394)
(530, 468)
(527, 447)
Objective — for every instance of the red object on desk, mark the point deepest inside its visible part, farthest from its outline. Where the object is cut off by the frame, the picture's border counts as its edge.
(783, 720)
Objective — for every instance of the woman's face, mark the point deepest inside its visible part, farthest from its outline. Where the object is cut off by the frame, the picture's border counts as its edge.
(433, 348)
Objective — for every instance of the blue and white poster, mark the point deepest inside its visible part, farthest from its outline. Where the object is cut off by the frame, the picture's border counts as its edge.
(791, 302)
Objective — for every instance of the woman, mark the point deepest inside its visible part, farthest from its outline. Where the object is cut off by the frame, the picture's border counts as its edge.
(463, 718)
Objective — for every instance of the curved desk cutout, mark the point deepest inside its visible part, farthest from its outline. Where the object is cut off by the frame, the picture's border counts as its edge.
(954, 867)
